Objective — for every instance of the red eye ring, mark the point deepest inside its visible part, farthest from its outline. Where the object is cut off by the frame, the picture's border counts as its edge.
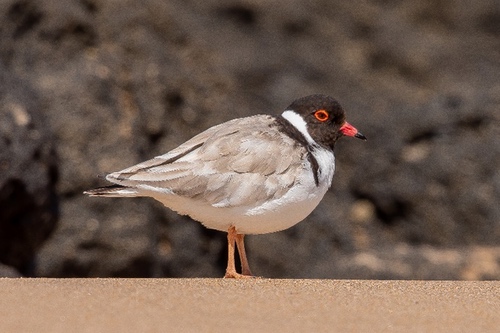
(321, 115)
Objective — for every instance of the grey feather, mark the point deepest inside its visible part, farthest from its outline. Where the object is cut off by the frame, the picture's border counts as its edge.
(241, 162)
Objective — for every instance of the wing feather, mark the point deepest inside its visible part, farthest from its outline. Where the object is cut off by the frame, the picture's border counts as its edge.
(233, 164)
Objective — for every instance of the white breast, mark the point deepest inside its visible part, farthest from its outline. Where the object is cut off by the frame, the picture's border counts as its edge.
(297, 203)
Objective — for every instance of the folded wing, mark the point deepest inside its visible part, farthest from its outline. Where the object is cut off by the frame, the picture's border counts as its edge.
(242, 162)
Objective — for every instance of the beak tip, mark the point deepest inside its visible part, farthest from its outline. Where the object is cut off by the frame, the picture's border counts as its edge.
(360, 136)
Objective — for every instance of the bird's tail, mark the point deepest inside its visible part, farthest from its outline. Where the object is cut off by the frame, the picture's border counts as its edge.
(113, 191)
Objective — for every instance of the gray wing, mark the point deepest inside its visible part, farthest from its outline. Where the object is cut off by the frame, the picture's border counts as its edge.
(241, 162)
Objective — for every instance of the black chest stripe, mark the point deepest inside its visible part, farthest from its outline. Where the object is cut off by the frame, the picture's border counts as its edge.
(290, 130)
(314, 165)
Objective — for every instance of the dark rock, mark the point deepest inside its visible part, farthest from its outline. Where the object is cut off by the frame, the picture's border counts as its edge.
(28, 174)
(9, 272)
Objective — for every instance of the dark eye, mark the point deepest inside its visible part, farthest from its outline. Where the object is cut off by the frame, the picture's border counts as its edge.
(321, 115)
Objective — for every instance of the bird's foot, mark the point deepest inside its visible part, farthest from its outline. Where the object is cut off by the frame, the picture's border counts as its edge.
(236, 275)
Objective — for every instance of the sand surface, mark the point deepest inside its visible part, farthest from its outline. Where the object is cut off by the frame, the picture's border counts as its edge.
(257, 305)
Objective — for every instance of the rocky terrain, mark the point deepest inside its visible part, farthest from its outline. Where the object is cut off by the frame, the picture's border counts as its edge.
(92, 86)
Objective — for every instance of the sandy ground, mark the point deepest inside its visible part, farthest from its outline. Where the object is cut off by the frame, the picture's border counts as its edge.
(257, 305)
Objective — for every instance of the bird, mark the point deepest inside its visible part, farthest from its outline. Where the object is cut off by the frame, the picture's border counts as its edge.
(253, 175)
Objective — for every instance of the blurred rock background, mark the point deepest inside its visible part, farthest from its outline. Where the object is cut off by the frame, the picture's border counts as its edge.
(92, 86)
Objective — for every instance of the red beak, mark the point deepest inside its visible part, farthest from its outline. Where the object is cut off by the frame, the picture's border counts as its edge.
(349, 130)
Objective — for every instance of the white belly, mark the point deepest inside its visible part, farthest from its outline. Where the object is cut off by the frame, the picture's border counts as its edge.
(272, 216)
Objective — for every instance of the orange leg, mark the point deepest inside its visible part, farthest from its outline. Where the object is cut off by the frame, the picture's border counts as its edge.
(240, 243)
(231, 269)
(234, 238)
